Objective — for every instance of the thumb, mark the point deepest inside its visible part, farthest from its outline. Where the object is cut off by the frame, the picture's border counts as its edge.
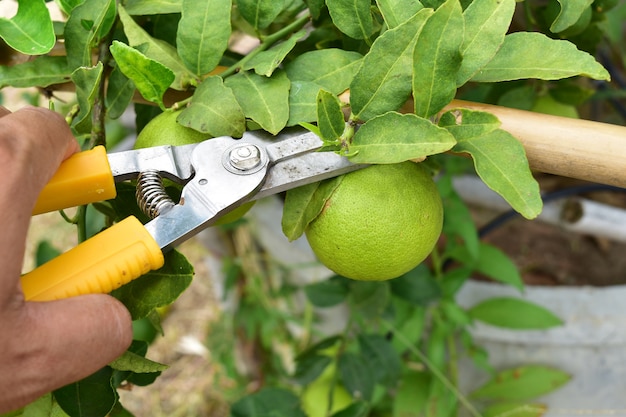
(60, 342)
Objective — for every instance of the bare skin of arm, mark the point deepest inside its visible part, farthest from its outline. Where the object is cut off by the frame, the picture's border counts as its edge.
(43, 345)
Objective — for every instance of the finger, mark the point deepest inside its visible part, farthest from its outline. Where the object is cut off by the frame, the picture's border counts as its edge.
(64, 340)
(4, 111)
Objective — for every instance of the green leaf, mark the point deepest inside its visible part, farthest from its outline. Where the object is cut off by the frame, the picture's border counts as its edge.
(145, 7)
(302, 102)
(68, 5)
(45, 252)
(268, 402)
(214, 110)
(80, 38)
(266, 62)
(416, 286)
(309, 367)
(157, 50)
(383, 82)
(331, 69)
(515, 409)
(260, 13)
(315, 7)
(264, 100)
(356, 409)
(203, 33)
(369, 299)
(412, 394)
(330, 119)
(486, 24)
(157, 288)
(523, 383)
(396, 12)
(30, 31)
(327, 293)
(151, 78)
(40, 72)
(352, 17)
(514, 313)
(304, 204)
(383, 358)
(356, 375)
(120, 92)
(491, 262)
(437, 59)
(87, 81)
(534, 55)
(130, 361)
(571, 11)
(499, 159)
(92, 396)
(393, 137)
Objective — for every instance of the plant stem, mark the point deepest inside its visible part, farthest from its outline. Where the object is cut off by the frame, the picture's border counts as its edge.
(81, 223)
(98, 115)
(267, 42)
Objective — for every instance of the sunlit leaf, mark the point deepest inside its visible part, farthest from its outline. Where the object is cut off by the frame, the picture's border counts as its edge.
(30, 31)
(146, 7)
(352, 17)
(302, 102)
(263, 99)
(203, 33)
(394, 137)
(571, 11)
(150, 77)
(214, 110)
(523, 383)
(383, 82)
(120, 92)
(534, 55)
(332, 69)
(396, 12)
(86, 80)
(437, 59)
(266, 62)
(486, 24)
(79, 38)
(514, 313)
(130, 361)
(515, 409)
(412, 394)
(330, 119)
(40, 72)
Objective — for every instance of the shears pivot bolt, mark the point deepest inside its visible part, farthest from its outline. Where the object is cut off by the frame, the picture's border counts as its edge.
(245, 157)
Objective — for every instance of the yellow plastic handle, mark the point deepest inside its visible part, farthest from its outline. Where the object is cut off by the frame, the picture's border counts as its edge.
(101, 264)
(83, 178)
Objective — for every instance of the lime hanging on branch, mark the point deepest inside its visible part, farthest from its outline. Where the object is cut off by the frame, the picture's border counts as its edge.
(379, 223)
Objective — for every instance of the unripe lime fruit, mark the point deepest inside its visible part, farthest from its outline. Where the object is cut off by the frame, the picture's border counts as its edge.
(165, 130)
(379, 223)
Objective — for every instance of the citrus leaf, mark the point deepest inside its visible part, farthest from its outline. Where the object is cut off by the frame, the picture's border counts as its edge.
(412, 394)
(383, 359)
(499, 159)
(214, 110)
(157, 288)
(534, 55)
(302, 102)
(260, 13)
(383, 82)
(571, 11)
(86, 80)
(92, 396)
(156, 49)
(515, 409)
(332, 69)
(263, 99)
(266, 62)
(396, 12)
(437, 59)
(486, 24)
(309, 367)
(203, 33)
(150, 77)
(40, 72)
(120, 92)
(268, 402)
(523, 383)
(330, 118)
(304, 204)
(144, 7)
(83, 28)
(30, 31)
(327, 293)
(352, 17)
(514, 313)
(356, 375)
(315, 7)
(130, 361)
(393, 137)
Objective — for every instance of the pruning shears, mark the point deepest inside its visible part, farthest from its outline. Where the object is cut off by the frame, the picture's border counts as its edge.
(221, 174)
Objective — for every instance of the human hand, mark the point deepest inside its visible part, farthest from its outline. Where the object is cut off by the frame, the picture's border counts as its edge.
(43, 345)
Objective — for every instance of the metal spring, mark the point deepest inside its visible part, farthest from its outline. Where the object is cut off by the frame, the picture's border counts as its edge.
(151, 195)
